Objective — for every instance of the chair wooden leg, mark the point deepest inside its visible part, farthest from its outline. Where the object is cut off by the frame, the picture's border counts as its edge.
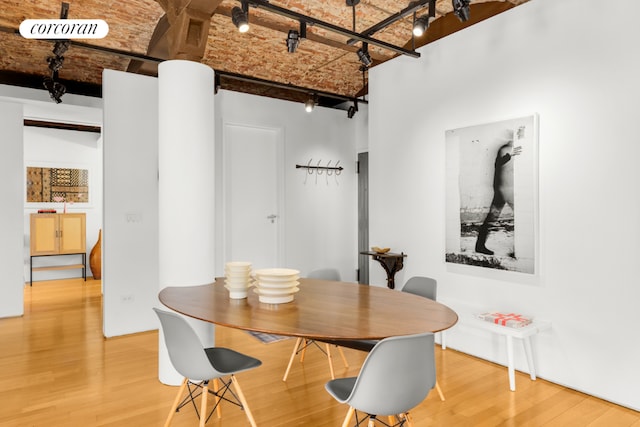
(216, 388)
(243, 401)
(439, 390)
(293, 356)
(304, 349)
(176, 402)
(203, 403)
(409, 419)
(344, 359)
(347, 419)
(328, 349)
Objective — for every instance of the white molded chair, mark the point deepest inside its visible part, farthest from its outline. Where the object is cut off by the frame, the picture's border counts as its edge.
(422, 286)
(301, 344)
(396, 376)
(201, 365)
(418, 285)
(428, 288)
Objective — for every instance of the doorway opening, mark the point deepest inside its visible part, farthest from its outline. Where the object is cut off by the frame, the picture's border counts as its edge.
(363, 217)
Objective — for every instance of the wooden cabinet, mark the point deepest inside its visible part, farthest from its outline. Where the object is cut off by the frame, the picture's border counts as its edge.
(58, 234)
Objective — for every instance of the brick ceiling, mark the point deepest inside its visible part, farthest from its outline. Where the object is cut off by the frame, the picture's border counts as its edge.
(323, 62)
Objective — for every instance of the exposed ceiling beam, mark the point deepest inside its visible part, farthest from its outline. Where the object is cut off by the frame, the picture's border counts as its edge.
(287, 86)
(449, 23)
(158, 48)
(35, 81)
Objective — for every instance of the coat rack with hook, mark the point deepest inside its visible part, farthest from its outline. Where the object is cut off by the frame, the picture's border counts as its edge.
(319, 169)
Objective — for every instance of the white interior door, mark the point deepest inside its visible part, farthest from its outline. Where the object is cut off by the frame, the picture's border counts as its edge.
(252, 161)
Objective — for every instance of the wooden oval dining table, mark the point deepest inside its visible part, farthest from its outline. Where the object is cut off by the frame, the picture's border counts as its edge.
(321, 310)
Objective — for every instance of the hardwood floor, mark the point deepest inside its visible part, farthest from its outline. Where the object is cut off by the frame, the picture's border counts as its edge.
(56, 369)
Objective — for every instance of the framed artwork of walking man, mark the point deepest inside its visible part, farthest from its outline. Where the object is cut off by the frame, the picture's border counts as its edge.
(492, 195)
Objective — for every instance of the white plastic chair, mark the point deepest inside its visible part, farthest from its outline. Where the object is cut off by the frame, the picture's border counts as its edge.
(418, 285)
(428, 288)
(201, 365)
(396, 376)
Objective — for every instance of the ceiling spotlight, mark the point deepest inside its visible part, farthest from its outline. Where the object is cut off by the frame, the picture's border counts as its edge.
(240, 19)
(461, 9)
(363, 55)
(56, 89)
(293, 40)
(308, 106)
(353, 109)
(420, 25)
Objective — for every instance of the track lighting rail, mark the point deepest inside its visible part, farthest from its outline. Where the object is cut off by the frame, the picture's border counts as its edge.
(262, 4)
(413, 7)
(234, 76)
(270, 83)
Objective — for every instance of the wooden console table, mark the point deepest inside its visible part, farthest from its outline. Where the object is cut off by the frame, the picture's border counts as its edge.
(391, 262)
(54, 234)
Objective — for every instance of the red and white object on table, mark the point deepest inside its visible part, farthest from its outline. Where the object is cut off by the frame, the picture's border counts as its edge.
(512, 320)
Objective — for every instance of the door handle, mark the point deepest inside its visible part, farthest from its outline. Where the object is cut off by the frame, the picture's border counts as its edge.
(272, 217)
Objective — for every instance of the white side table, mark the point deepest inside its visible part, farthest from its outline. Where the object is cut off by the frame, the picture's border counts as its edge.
(523, 333)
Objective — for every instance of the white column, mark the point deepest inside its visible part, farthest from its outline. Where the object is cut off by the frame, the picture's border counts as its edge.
(186, 191)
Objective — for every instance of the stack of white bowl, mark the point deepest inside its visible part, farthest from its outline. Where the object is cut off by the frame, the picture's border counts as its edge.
(276, 285)
(237, 276)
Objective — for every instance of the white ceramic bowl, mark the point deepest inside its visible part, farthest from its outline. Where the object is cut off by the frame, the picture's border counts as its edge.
(268, 299)
(275, 296)
(277, 279)
(276, 272)
(277, 285)
(263, 291)
(237, 294)
(237, 284)
(237, 266)
(237, 274)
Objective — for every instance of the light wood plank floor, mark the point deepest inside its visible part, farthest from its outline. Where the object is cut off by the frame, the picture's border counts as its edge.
(56, 369)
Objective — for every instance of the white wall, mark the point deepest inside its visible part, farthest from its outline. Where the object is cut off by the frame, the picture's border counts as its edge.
(320, 219)
(130, 231)
(362, 128)
(539, 57)
(38, 104)
(320, 224)
(11, 155)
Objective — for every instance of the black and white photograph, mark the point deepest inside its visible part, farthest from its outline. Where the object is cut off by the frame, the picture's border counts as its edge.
(491, 195)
